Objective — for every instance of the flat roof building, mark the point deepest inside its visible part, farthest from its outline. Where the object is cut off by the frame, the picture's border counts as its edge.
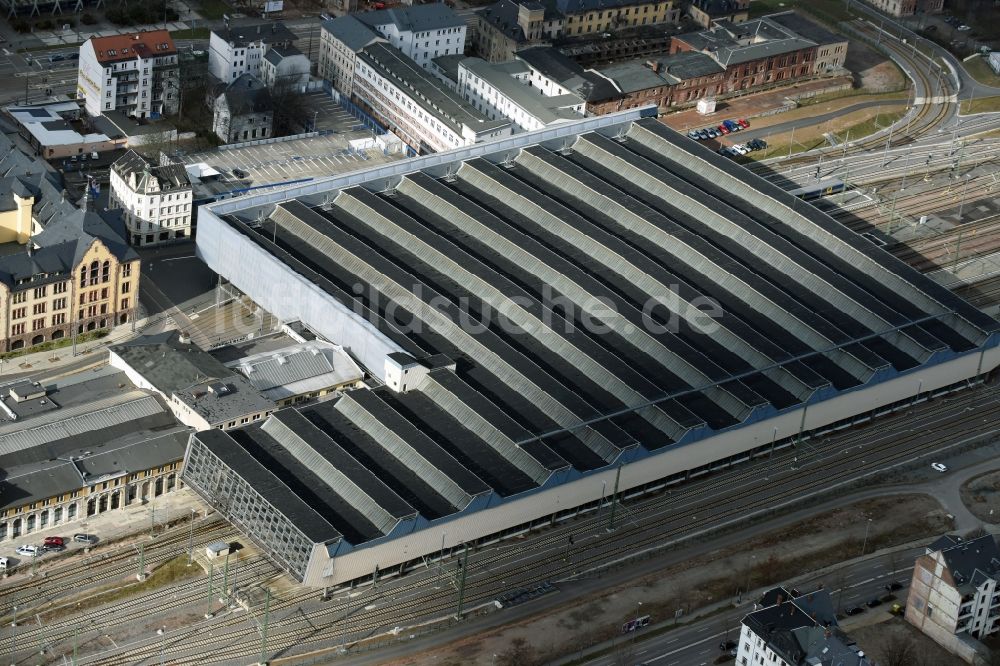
(543, 309)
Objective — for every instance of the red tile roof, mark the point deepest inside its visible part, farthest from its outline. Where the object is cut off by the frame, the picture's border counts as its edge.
(116, 48)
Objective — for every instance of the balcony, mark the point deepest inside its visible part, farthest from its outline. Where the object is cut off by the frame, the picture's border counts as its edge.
(965, 610)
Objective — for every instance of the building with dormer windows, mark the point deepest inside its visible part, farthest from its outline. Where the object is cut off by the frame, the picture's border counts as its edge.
(155, 200)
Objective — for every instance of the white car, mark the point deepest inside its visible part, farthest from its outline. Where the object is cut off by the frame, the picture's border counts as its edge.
(27, 551)
(939, 467)
(964, 28)
(741, 149)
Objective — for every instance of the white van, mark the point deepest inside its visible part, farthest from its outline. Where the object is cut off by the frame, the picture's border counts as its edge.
(3, 564)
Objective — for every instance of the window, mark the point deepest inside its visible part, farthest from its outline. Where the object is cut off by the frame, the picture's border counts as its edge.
(59, 288)
(19, 313)
(59, 318)
(124, 304)
(38, 308)
(59, 304)
(104, 293)
(126, 286)
(106, 272)
(20, 297)
(126, 270)
(38, 324)
(17, 329)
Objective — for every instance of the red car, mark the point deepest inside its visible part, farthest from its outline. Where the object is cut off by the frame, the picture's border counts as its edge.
(743, 122)
(723, 129)
(53, 541)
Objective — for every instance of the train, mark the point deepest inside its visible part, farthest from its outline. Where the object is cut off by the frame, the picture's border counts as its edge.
(822, 189)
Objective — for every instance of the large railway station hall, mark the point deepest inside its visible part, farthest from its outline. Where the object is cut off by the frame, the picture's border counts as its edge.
(542, 317)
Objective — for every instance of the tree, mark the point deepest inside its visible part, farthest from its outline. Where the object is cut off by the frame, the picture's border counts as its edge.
(520, 653)
(898, 650)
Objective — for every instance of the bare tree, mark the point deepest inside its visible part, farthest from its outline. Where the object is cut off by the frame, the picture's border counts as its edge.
(897, 650)
(520, 653)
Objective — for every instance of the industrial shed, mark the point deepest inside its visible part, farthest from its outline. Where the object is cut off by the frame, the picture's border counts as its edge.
(545, 312)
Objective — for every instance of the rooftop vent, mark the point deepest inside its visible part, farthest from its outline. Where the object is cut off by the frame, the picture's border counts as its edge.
(218, 388)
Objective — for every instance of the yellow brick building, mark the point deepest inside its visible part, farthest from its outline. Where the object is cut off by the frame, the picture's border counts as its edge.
(76, 274)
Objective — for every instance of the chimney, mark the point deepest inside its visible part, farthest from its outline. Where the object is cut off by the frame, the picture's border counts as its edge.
(653, 65)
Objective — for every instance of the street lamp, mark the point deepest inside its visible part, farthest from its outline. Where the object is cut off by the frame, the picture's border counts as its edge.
(864, 544)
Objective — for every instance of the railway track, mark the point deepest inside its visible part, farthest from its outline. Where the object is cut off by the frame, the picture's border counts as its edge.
(978, 238)
(28, 594)
(923, 122)
(648, 522)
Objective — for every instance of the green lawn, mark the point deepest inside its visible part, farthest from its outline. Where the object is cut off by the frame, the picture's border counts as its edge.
(212, 9)
(191, 33)
(981, 71)
(856, 131)
(867, 127)
(980, 105)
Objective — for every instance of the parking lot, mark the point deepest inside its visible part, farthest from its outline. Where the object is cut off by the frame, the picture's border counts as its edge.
(327, 114)
(314, 157)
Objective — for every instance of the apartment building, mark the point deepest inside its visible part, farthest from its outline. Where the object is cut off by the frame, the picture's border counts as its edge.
(504, 91)
(831, 48)
(786, 630)
(156, 200)
(136, 74)
(954, 592)
(417, 106)
(705, 12)
(507, 26)
(420, 32)
(237, 50)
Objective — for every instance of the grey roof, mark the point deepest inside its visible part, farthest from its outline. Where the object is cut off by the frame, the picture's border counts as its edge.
(563, 70)
(209, 388)
(545, 108)
(416, 18)
(449, 65)
(247, 94)
(66, 237)
(351, 31)
(269, 33)
(804, 27)
(168, 177)
(276, 54)
(254, 457)
(298, 369)
(579, 6)
(715, 8)
(733, 43)
(803, 631)
(973, 561)
(635, 75)
(623, 214)
(428, 91)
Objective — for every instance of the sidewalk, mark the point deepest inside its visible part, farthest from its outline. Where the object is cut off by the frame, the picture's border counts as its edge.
(134, 520)
(32, 364)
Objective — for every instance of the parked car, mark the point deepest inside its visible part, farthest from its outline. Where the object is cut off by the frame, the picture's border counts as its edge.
(693, 134)
(3, 563)
(52, 548)
(856, 610)
(703, 134)
(27, 551)
(723, 129)
(872, 603)
(240, 173)
(741, 149)
(939, 467)
(732, 125)
(727, 645)
(54, 541)
(85, 538)
(744, 123)
(964, 28)
(893, 586)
